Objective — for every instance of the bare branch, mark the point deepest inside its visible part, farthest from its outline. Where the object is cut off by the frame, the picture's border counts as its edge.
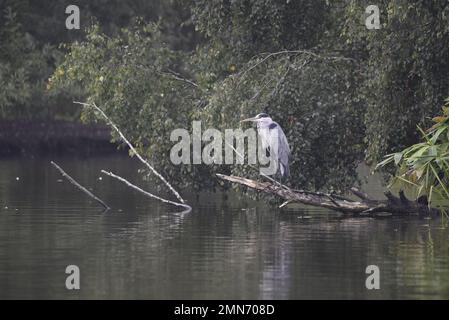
(359, 193)
(284, 204)
(169, 73)
(305, 52)
(133, 149)
(148, 194)
(80, 187)
(178, 77)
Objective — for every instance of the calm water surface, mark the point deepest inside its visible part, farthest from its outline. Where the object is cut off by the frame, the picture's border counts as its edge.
(226, 248)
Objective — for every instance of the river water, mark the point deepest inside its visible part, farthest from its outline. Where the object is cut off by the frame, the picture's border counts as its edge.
(226, 248)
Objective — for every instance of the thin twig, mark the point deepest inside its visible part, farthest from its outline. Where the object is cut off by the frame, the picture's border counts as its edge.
(134, 150)
(80, 187)
(310, 53)
(278, 83)
(359, 193)
(179, 77)
(260, 91)
(172, 74)
(275, 90)
(129, 184)
(284, 204)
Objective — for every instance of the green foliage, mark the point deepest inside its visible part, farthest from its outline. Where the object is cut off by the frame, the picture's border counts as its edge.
(310, 96)
(26, 62)
(31, 33)
(407, 62)
(135, 78)
(22, 67)
(250, 27)
(143, 85)
(281, 57)
(424, 167)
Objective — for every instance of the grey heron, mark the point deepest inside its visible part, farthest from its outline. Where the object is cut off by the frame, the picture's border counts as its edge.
(273, 141)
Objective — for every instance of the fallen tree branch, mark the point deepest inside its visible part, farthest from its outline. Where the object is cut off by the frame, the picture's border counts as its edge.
(253, 167)
(80, 187)
(109, 121)
(394, 205)
(148, 194)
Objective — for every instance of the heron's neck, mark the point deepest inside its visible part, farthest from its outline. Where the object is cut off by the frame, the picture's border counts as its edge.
(263, 124)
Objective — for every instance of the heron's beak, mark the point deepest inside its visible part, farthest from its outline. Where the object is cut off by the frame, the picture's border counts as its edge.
(249, 119)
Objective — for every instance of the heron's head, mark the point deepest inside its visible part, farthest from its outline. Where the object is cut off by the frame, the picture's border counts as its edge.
(260, 118)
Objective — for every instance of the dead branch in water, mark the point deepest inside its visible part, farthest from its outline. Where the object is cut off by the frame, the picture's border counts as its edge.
(148, 194)
(109, 121)
(80, 187)
(366, 206)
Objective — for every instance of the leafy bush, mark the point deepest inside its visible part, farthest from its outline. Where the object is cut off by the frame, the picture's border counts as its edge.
(424, 167)
(311, 98)
(25, 65)
(406, 66)
(31, 33)
(134, 77)
(144, 86)
(259, 56)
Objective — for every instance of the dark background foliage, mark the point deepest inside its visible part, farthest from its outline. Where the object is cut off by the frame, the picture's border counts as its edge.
(341, 92)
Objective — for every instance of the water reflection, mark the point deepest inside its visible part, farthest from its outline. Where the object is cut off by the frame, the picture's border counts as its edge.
(218, 251)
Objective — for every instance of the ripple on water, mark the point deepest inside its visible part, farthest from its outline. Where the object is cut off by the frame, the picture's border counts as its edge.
(223, 249)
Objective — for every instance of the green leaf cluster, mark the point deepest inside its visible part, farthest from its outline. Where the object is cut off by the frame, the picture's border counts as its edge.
(424, 167)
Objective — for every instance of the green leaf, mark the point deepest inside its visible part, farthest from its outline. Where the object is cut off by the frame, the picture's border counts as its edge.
(397, 158)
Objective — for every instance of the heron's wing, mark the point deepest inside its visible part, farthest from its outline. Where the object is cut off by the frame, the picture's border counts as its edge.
(265, 138)
(283, 148)
(274, 140)
(276, 134)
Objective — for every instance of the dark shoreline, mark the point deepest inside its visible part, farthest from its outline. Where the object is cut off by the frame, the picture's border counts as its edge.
(39, 138)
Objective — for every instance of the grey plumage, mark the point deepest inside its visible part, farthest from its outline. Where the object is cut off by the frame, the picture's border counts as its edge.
(274, 141)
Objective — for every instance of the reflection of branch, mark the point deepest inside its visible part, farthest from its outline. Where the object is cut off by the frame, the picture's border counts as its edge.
(80, 187)
(148, 194)
(133, 149)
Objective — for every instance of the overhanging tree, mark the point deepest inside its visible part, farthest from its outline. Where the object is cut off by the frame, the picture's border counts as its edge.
(340, 91)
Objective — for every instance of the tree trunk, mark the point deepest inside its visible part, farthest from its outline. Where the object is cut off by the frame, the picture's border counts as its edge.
(365, 206)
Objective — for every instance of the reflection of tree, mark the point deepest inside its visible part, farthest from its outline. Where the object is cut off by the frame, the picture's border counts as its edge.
(260, 254)
(218, 251)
